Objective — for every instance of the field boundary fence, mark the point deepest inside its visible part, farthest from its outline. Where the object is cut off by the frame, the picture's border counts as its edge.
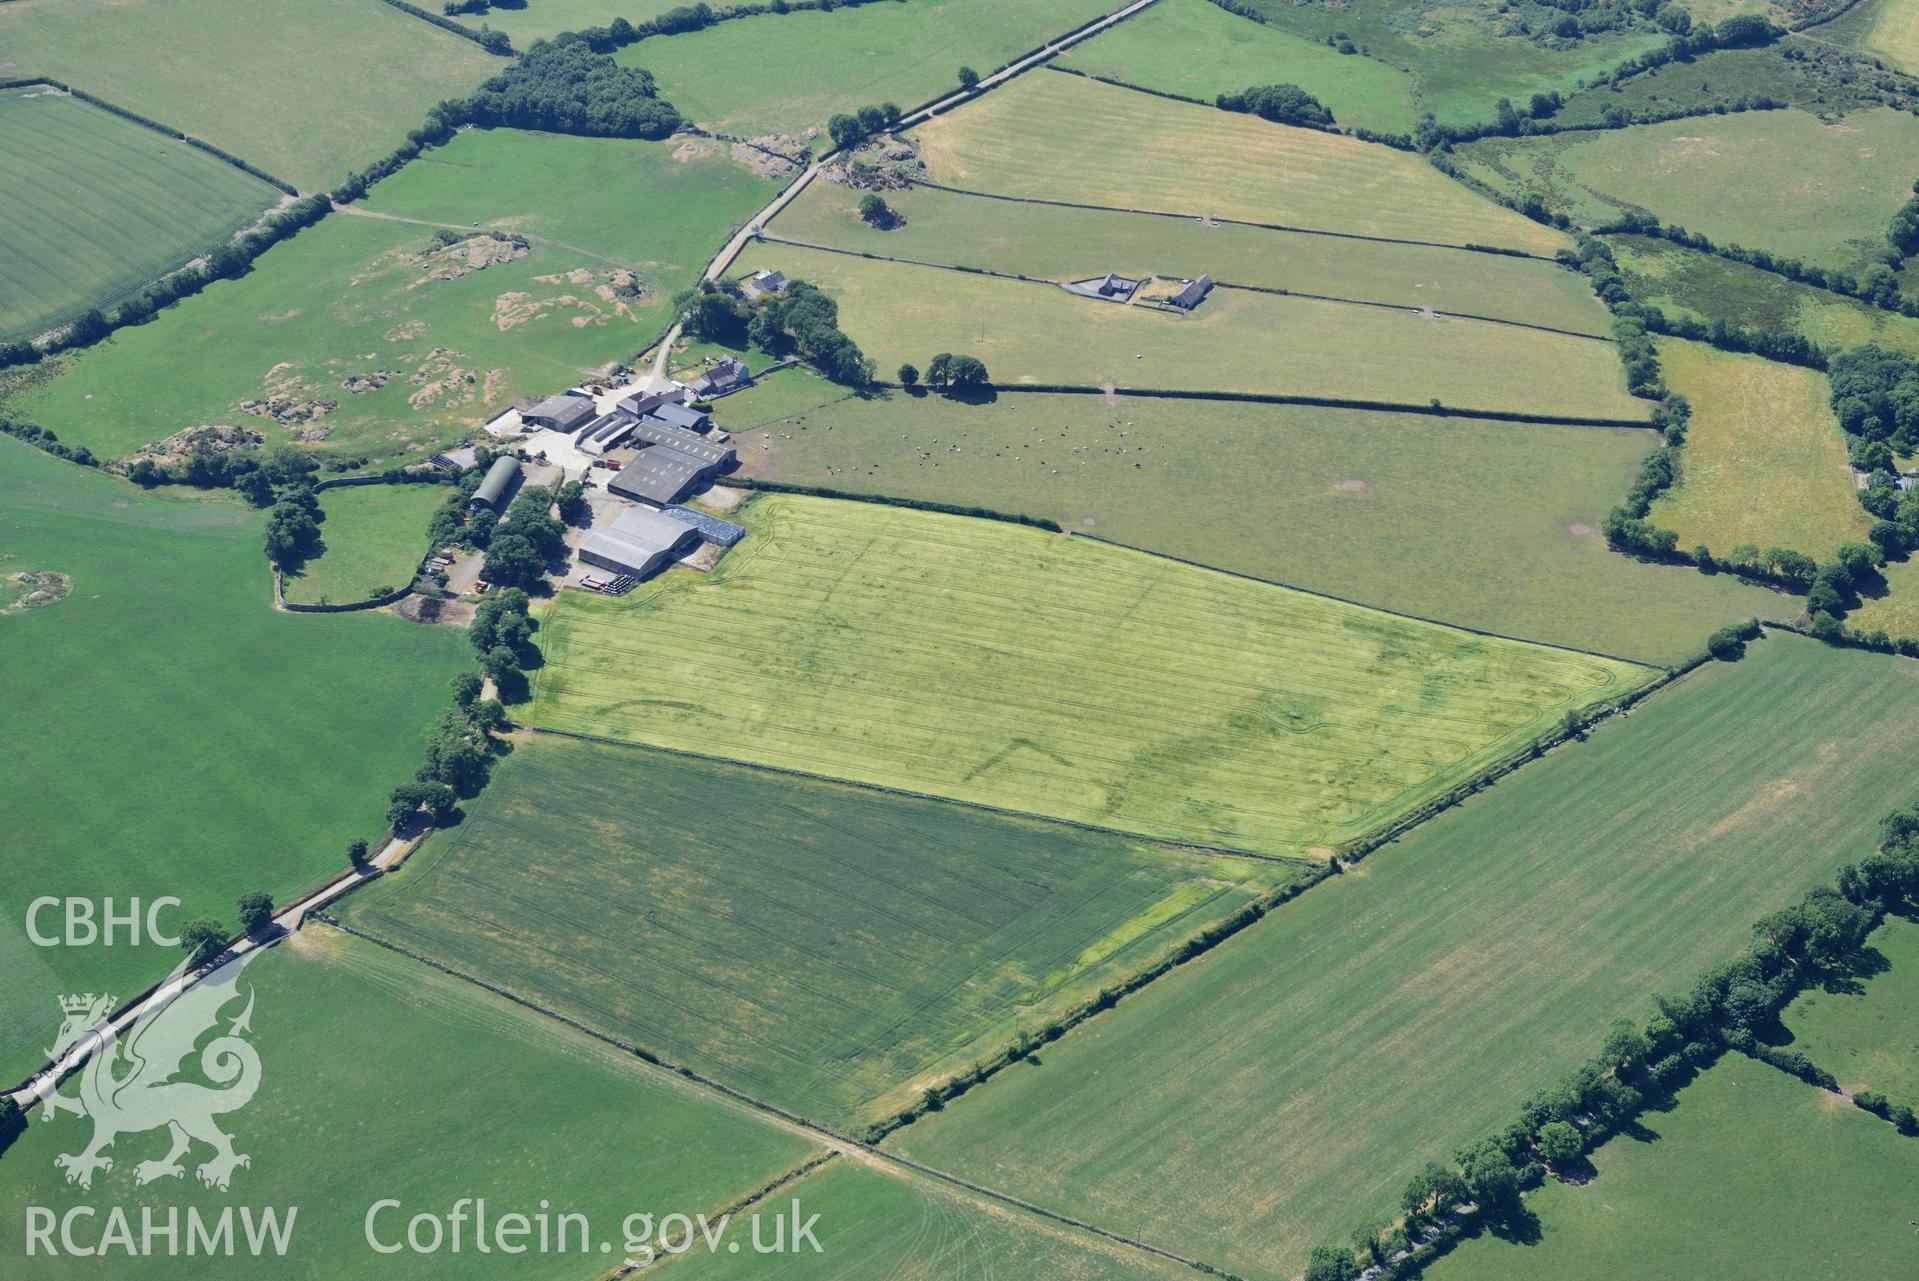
(1494, 250)
(1429, 409)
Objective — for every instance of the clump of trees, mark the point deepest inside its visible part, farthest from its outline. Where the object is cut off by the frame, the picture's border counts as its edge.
(293, 530)
(850, 129)
(564, 86)
(256, 912)
(876, 213)
(801, 319)
(519, 550)
(957, 374)
(1285, 104)
(1875, 393)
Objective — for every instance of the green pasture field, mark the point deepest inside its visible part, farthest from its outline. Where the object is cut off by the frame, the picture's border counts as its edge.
(788, 391)
(544, 19)
(1707, 287)
(1895, 610)
(1060, 137)
(307, 90)
(169, 733)
(1764, 460)
(96, 207)
(1751, 1174)
(1894, 33)
(1103, 685)
(1196, 48)
(1462, 58)
(660, 207)
(1834, 185)
(889, 1225)
(1486, 525)
(1234, 341)
(826, 949)
(374, 1070)
(1864, 1029)
(1055, 243)
(1282, 1089)
(374, 535)
(358, 298)
(789, 73)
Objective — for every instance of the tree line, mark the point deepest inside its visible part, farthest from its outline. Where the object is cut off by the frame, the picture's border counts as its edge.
(226, 262)
(1726, 1008)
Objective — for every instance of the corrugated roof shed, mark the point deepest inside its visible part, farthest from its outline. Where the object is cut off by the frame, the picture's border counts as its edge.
(637, 541)
(689, 443)
(678, 416)
(606, 431)
(499, 477)
(563, 412)
(658, 474)
(723, 533)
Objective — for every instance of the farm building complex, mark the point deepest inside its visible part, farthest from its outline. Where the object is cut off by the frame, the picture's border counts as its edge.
(1101, 640)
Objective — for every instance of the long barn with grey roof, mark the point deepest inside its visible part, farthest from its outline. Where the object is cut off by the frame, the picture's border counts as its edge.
(1189, 297)
(563, 412)
(638, 542)
(692, 444)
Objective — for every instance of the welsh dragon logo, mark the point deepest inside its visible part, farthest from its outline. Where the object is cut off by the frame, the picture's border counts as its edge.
(129, 1084)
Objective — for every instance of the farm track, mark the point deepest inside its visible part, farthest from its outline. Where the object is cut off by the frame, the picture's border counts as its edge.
(359, 212)
(747, 234)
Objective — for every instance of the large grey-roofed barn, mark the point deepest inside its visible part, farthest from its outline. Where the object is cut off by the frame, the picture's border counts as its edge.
(679, 416)
(659, 474)
(563, 412)
(499, 478)
(692, 444)
(638, 542)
